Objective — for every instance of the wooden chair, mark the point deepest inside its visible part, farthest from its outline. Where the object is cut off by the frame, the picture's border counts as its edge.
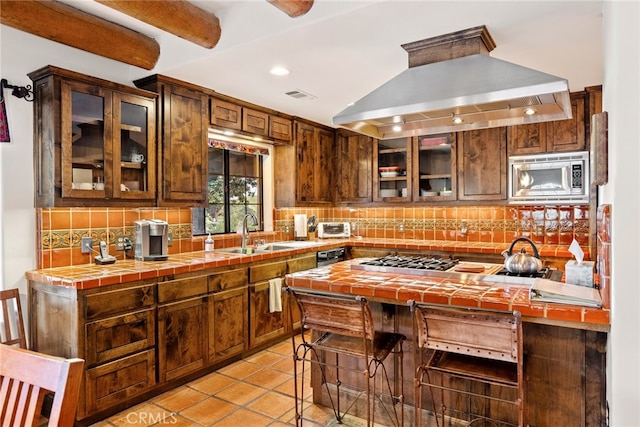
(26, 376)
(343, 325)
(11, 311)
(476, 354)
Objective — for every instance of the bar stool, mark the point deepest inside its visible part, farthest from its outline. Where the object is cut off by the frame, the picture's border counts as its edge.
(476, 354)
(343, 325)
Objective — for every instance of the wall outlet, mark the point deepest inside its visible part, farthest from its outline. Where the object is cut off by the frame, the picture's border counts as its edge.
(401, 228)
(86, 245)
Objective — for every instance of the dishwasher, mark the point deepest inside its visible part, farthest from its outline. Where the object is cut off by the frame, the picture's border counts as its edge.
(330, 256)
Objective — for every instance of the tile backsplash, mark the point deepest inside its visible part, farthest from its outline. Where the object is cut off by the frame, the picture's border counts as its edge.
(552, 225)
(59, 230)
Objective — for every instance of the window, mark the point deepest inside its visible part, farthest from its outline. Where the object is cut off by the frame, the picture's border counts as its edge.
(235, 188)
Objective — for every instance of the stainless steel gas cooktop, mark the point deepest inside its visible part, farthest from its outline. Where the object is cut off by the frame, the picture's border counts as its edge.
(430, 265)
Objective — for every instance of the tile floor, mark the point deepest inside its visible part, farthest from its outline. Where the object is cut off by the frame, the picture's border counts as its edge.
(256, 391)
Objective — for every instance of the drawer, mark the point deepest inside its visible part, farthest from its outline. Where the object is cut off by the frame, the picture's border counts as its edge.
(110, 303)
(259, 273)
(303, 263)
(119, 336)
(173, 290)
(112, 383)
(228, 280)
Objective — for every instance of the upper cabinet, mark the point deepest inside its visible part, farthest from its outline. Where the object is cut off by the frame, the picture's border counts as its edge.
(183, 132)
(304, 171)
(314, 163)
(559, 135)
(230, 115)
(482, 164)
(354, 167)
(95, 141)
(434, 165)
(392, 170)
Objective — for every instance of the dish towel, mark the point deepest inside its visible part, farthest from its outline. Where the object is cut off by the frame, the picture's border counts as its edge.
(275, 295)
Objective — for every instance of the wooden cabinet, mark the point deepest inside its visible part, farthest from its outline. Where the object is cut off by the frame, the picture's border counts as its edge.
(392, 168)
(182, 330)
(95, 141)
(227, 311)
(264, 326)
(183, 132)
(227, 114)
(280, 128)
(314, 163)
(482, 164)
(354, 167)
(304, 172)
(434, 166)
(559, 135)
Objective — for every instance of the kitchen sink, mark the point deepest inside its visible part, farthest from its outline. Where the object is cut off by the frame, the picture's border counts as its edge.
(260, 250)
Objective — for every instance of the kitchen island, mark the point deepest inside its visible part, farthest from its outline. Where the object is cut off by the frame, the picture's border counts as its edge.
(564, 345)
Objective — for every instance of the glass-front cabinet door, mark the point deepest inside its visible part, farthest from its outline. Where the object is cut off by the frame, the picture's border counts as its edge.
(107, 143)
(85, 128)
(392, 181)
(134, 121)
(435, 168)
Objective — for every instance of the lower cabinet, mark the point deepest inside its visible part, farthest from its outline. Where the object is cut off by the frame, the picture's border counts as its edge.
(139, 338)
(182, 316)
(112, 383)
(228, 331)
(181, 338)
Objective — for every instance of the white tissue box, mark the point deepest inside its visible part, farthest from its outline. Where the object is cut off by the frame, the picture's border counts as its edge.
(579, 274)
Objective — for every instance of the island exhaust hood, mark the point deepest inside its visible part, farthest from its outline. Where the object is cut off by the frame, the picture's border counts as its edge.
(452, 84)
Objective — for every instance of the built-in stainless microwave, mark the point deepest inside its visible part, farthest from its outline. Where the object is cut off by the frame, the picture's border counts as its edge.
(549, 178)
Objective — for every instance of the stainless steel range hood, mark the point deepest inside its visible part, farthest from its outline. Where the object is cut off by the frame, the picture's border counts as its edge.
(481, 91)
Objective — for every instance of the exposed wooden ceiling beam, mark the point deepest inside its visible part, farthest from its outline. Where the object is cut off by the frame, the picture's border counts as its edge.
(178, 17)
(293, 8)
(72, 27)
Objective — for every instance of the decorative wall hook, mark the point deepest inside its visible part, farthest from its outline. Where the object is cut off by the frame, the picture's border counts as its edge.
(18, 91)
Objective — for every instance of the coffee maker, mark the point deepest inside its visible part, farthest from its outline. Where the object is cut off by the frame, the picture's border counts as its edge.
(151, 240)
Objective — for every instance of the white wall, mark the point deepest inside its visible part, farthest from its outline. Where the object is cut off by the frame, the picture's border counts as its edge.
(21, 53)
(621, 98)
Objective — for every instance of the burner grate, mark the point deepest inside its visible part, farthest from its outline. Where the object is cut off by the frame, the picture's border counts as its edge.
(416, 263)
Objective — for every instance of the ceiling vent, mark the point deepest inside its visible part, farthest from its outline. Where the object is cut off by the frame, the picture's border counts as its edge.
(453, 77)
(298, 94)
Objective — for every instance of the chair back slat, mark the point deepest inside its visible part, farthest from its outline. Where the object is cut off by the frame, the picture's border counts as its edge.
(336, 314)
(491, 335)
(12, 331)
(26, 376)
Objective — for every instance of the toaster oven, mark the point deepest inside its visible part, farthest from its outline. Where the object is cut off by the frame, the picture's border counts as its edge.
(328, 230)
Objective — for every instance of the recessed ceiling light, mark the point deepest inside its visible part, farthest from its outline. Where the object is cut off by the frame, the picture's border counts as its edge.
(279, 71)
(397, 128)
(529, 111)
(397, 119)
(229, 133)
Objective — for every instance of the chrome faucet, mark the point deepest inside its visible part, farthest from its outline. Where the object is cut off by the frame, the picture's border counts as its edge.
(245, 230)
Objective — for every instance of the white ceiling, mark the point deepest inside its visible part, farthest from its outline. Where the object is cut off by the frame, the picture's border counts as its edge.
(342, 50)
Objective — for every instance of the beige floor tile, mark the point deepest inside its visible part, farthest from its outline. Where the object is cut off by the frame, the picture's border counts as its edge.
(209, 411)
(268, 378)
(288, 389)
(179, 398)
(244, 417)
(241, 393)
(284, 348)
(266, 358)
(273, 405)
(285, 365)
(240, 369)
(212, 383)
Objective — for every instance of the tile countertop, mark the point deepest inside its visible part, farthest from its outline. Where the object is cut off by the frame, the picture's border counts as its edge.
(462, 290)
(88, 276)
